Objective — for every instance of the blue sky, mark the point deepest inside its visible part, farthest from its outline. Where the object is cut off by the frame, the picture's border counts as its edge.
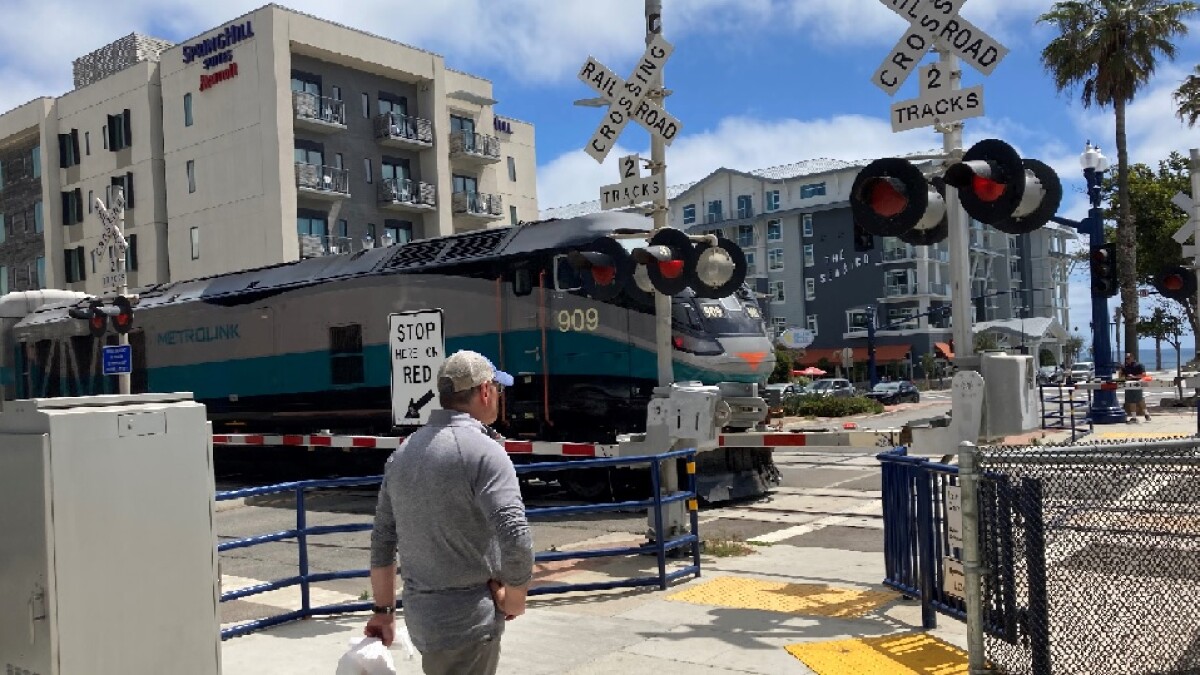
(756, 83)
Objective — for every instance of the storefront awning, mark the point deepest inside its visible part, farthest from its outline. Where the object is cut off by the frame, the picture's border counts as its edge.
(944, 350)
(883, 354)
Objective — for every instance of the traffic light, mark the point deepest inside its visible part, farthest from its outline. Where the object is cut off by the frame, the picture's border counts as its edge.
(604, 267)
(998, 188)
(1175, 282)
(891, 196)
(669, 259)
(1104, 271)
(122, 321)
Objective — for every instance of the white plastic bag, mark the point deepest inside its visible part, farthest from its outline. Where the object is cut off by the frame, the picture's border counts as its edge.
(366, 656)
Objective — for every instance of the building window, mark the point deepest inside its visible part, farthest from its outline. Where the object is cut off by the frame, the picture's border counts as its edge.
(745, 209)
(131, 263)
(773, 200)
(72, 207)
(187, 109)
(399, 230)
(37, 216)
(91, 198)
(346, 354)
(36, 159)
(338, 161)
(812, 190)
(312, 223)
(774, 259)
(809, 256)
(811, 323)
(68, 149)
(335, 92)
(774, 230)
(715, 212)
(120, 131)
(343, 228)
(191, 175)
(512, 169)
(87, 142)
(195, 234)
(806, 223)
(366, 106)
(689, 214)
(126, 184)
(73, 264)
(810, 289)
(856, 320)
(751, 267)
(40, 266)
(367, 168)
(3, 280)
(779, 323)
(745, 236)
(776, 291)
(512, 214)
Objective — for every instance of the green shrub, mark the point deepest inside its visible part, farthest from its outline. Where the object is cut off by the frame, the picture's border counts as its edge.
(819, 406)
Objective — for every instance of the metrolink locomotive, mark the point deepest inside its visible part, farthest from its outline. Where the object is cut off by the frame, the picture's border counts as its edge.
(303, 347)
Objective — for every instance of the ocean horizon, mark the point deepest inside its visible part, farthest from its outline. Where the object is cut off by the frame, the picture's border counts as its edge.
(1146, 356)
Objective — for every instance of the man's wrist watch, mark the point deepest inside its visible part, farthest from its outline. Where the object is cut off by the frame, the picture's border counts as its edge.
(383, 609)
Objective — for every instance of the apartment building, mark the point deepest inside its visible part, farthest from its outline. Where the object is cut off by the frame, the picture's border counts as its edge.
(795, 225)
(274, 136)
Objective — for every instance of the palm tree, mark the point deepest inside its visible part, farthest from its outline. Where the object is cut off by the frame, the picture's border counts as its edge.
(1110, 48)
(1187, 97)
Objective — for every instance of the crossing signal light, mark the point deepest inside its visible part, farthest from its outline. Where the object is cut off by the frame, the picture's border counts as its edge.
(1104, 271)
(669, 259)
(720, 269)
(604, 267)
(94, 315)
(122, 321)
(1175, 282)
(998, 188)
(891, 197)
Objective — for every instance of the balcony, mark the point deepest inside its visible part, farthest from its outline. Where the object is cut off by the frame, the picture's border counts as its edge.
(476, 148)
(402, 194)
(478, 205)
(318, 113)
(898, 290)
(405, 132)
(318, 245)
(939, 289)
(322, 182)
(900, 254)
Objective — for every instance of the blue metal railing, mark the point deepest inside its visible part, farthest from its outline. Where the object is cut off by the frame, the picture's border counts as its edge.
(914, 531)
(1062, 410)
(660, 546)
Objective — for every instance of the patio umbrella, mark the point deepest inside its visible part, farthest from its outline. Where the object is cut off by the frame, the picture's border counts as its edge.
(809, 371)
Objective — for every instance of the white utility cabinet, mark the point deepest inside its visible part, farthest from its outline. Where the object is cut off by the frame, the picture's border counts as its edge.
(108, 559)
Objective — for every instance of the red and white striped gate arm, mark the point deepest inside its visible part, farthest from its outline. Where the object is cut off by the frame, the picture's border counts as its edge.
(538, 448)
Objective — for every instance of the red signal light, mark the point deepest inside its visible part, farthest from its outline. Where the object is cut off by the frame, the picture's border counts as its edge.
(677, 341)
(97, 322)
(122, 321)
(1172, 282)
(604, 276)
(885, 199)
(987, 189)
(671, 269)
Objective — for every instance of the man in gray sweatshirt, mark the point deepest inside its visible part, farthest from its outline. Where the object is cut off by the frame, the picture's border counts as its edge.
(450, 506)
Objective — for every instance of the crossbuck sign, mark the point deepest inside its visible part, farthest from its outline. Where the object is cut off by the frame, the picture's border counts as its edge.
(627, 99)
(933, 21)
(112, 240)
(633, 188)
(1189, 228)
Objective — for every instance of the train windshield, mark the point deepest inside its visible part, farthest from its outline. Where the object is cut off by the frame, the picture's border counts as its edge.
(730, 316)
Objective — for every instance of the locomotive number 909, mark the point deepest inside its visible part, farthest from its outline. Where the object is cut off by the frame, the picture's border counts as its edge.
(578, 320)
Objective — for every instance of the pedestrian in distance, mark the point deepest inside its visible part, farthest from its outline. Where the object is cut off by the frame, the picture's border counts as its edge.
(1135, 399)
(450, 511)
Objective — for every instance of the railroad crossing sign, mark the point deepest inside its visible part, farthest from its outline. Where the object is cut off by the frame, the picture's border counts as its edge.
(934, 21)
(1190, 227)
(633, 188)
(627, 99)
(937, 103)
(417, 345)
(112, 241)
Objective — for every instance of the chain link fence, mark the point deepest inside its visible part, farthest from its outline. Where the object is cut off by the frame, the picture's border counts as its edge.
(1091, 556)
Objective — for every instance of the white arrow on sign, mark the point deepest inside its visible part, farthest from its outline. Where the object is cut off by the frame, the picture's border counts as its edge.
(936, 105)
(627, 99)
(933, 21)
(1185, 203)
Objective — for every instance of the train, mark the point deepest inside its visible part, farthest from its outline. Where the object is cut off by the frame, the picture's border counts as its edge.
(302, 347)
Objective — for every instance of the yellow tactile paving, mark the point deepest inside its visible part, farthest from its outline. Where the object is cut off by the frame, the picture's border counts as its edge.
(810, 599)
(911, 653)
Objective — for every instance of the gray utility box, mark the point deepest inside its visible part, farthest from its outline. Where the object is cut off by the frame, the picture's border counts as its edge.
(108, 559)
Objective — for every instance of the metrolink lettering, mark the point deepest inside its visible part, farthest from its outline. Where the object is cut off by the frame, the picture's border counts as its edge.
(219, 42)
(968, 100)
(200, 334)
(207, 81)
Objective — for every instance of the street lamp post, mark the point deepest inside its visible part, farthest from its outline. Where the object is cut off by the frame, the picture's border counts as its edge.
(1105, 409)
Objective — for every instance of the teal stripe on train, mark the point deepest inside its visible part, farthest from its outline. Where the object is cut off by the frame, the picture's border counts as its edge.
(311, 371)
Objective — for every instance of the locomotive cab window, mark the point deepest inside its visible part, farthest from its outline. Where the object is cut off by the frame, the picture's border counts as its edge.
(522, 281)
(565, 276)
(345, 354)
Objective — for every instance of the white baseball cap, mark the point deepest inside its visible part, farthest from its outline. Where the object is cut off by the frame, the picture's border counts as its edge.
(466, 369)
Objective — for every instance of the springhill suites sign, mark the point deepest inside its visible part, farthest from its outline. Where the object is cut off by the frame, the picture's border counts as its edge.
(213, 46)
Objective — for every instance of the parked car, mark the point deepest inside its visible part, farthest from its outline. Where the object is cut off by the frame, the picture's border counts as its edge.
(834, 386)
(776, 393)
(1049, 375)
(1082, 371)
(786, 389)
(891, 393)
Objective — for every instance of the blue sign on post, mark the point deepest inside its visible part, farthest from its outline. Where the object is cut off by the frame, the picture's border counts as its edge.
(118, 360)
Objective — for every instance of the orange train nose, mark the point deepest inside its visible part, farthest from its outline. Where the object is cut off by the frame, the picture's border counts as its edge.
(754, 359)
